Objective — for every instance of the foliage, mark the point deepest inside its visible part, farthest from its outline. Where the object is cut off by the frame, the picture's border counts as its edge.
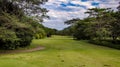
(8, 39)
(24, 7)
(17, 25)
(115, 25)
(71, 21)
(40, 34)
(8, 7)
(108, 43)
(67, 31)
(50, 32)
(102, 24)
(21, 31)
(80, 32)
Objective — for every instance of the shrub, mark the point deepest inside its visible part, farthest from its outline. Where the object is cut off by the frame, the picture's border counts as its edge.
(108, 43)
(39, 34)
(15, 34)
(8, 39)
(25, 35)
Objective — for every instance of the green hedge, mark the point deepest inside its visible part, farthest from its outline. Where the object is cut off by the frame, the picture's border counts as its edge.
(108, 43)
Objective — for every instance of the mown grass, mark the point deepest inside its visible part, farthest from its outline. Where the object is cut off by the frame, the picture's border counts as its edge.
(63, 51)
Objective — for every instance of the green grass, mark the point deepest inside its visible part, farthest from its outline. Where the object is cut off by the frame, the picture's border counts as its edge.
(63, 51)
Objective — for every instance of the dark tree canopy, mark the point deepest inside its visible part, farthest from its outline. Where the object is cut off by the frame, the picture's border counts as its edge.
(27, 7)
(19, 22)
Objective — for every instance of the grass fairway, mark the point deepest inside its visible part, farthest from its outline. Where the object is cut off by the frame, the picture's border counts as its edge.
(63, 51)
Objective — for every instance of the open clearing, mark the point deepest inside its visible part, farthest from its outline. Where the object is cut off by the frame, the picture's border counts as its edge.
(63, 51)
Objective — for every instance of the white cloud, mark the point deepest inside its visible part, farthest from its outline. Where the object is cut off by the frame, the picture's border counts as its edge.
(60, 13)
(87, 4)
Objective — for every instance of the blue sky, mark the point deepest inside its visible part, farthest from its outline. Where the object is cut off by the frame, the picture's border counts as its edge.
(62, 10)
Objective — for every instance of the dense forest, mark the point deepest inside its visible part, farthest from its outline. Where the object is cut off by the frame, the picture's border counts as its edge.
(20, 22)
(101, 27)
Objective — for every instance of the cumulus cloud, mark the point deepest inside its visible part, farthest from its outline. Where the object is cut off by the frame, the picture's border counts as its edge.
(62, 10)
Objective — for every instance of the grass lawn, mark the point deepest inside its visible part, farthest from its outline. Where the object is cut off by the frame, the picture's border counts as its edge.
(63, 51)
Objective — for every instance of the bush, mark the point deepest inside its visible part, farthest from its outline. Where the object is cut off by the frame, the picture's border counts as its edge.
(8, 39)
(25, 35)
(40, 33)
(15, 34)
(108, 43)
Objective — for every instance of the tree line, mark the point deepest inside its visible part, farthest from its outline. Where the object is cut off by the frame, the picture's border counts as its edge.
(20, 23)
(101, 27)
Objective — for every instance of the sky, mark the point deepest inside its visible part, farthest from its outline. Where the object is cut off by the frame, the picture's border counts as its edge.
(63, 10)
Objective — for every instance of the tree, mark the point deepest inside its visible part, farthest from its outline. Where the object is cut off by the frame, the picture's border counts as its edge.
(27, 7)
(79, 30)
(6, 6)
(17, 27)
(72, 21)
(100, 15)
(33, 8)
(115, 25)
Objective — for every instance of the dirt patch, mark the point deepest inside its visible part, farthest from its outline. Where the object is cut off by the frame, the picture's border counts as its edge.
(22, 51)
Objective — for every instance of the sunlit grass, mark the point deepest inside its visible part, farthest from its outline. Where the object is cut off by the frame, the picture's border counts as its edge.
(63, 51)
